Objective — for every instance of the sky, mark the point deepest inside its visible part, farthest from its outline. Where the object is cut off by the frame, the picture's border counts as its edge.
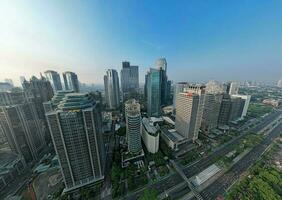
(201, 39)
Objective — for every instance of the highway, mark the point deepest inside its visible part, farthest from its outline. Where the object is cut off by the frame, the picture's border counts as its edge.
(224, 182)
(205, 162)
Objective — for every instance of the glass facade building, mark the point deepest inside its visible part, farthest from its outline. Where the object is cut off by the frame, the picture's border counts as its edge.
(154, 93)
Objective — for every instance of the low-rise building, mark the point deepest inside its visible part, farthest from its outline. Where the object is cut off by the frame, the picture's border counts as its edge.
(150, 135)
(172, 138)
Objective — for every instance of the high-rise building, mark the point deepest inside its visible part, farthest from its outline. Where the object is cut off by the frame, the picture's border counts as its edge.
(161, 65)
(41, 91)
(71, 81)
(236, 108)
(146, 85)
(21, 125)
(154, 93)
(224, 113)
(133, 126)
(129, 76)
(246, 99)
(54, 79)
(112, 92)
(178, 88)
(189, 111)
(232, 88)
(76, 129)
(212, 102)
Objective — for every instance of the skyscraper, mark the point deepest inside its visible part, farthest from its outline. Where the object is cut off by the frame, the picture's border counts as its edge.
(21, 125)
(154, 93)
(189, 111)
(112, 92)
(224, 113)
(41, 91)
(54, 79)
(76, 129)
(178, 88)
(212, 102)
(71, 81)
(232, 88)
(133, 126)
(161, 65)
(129, 79)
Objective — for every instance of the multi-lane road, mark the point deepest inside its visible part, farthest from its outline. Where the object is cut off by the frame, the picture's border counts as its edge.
(219, 187)
(175, 179)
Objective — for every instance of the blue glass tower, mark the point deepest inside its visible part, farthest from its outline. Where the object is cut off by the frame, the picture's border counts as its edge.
(154, 93)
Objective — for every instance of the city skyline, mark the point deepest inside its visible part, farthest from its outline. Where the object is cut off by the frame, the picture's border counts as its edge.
(233, 39)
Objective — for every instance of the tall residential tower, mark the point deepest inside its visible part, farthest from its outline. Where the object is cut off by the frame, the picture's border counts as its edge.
(76, 129)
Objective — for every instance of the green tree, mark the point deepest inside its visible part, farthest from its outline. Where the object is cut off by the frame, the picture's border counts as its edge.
(149, 194)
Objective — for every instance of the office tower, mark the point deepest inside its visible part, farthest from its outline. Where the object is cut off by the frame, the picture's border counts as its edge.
(212, 102)
(178, 88)
(146, 85)
(279, 83)
(154, 93)
(41, 91)
(224, 113)
(161, 65)
(112, 93)
(76, 129)
(168, 93)
(71, 81)
(4, 87)
(10, 81)
(54, 79)
(232, 88)
(236, 108)
(246, 99)
(189, 111)
(21, 125)
(133, 126)
(129, 79)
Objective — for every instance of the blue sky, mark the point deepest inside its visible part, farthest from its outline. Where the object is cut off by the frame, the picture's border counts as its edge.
(201, 39)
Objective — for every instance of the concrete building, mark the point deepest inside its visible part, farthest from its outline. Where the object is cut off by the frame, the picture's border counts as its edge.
(189, 111)
(71, 81)
(76, 128)
(232, 88)
(212, 102)
(224, 113)
(129, 76)
(154, 93)
(112, 92)
(133, 126)
(21, 125)
(54, 78)
(41, 91)
(246, 99)
(178, 88)
(150, 135)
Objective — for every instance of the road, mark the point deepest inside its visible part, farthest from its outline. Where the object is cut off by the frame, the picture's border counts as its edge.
(196, 168)
(224, 182)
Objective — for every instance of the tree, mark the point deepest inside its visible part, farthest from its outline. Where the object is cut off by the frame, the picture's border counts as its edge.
(149, 194)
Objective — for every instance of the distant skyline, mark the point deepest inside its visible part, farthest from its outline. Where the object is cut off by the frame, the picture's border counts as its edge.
(201, 40)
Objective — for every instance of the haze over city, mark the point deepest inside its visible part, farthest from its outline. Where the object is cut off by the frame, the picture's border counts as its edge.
(201, 40)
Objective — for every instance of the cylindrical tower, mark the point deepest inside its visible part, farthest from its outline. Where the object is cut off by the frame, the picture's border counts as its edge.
(133, 126)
